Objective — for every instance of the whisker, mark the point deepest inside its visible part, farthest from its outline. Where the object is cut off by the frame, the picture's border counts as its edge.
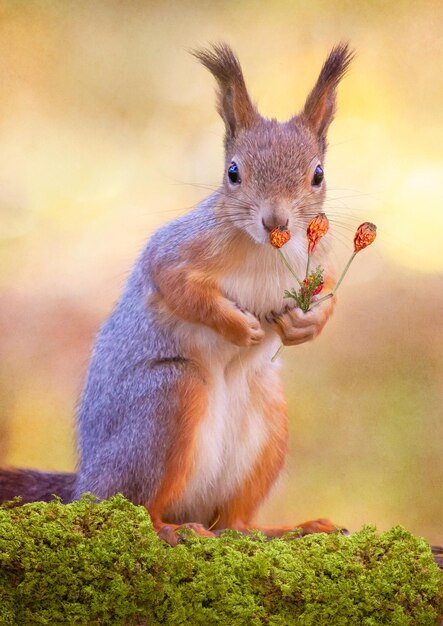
(341, 239)
(355, 191)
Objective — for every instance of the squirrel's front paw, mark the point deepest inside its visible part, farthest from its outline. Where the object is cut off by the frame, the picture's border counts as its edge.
(242, 328)
(295, 327)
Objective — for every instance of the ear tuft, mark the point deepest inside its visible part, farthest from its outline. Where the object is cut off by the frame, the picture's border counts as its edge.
(321, 103)
(221, 61)
(233, 101)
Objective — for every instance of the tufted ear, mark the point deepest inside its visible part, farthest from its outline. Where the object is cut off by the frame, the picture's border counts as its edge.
(321, 103)
(233, 101)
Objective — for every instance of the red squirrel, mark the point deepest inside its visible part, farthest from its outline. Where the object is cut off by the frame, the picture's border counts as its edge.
(183, 409)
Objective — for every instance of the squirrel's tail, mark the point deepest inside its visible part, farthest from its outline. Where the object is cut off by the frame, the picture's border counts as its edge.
(34, 486)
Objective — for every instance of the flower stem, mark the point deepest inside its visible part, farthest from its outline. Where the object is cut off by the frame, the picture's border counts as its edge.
(344, 273)
(288, 265)
(327, 297)
(337, 285)
(277, 353)
(307, 265)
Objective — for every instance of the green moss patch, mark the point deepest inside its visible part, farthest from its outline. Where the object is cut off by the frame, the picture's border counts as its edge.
(102, 563)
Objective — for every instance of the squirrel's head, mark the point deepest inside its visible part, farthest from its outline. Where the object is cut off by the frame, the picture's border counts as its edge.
(273, 171)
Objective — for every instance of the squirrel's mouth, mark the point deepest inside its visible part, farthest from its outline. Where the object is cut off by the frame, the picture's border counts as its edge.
(272, 225)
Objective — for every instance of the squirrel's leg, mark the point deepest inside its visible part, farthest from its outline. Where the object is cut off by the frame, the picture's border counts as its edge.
(195, 297)
(239, 511)
(191, 398)
(267, 398)
(148, 449)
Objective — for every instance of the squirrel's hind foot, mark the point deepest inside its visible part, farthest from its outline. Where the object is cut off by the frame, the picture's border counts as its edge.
(168, 532)
(306, 528)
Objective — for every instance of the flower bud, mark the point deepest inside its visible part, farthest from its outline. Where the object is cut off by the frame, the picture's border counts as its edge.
(317, 289)
(364, 236)
(307, 282)
(317, 228)
(279, 236)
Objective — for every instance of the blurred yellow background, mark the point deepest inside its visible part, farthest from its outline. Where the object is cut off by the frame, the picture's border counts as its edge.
(108, 129)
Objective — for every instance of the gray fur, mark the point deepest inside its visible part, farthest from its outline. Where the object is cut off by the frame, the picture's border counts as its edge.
(127, 413)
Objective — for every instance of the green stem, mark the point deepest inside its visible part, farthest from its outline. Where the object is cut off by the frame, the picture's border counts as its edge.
(308, 264)
(337, 285)
(344, 273)
(288, 265)
(277, 353)
(327, 297)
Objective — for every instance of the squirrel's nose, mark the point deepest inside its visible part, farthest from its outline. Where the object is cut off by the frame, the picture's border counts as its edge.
(273, 222)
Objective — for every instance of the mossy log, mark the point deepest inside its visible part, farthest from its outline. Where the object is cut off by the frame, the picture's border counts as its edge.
(90, 563)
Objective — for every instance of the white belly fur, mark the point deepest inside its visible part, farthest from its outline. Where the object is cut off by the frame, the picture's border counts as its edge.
(229, 442)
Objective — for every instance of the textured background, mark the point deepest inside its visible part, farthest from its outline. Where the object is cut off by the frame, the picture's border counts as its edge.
(108, 129)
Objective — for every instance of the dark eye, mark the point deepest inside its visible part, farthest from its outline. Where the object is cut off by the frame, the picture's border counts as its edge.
(318, 176)
(233, 174)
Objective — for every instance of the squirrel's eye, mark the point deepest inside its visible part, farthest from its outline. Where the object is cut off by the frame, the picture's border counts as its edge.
(233, 173)
(318, 176)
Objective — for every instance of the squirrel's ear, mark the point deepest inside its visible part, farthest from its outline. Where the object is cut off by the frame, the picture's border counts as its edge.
(233, 101)
(321, 103)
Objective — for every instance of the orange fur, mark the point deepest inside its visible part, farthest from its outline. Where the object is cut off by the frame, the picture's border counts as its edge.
(328, 285)
(192, 392)
(191, 292)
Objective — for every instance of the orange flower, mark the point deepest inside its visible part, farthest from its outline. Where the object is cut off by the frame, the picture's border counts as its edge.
(279, 236)
(317, 228)
(364, 236)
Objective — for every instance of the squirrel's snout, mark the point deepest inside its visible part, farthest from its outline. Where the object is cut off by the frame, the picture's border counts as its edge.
(274, 221)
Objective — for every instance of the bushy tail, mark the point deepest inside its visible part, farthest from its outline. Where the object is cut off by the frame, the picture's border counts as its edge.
(34, 486)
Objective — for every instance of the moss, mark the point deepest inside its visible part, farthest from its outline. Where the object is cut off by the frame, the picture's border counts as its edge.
(102, 563)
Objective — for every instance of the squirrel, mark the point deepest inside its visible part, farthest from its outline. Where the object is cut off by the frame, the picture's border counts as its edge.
(183, 409)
